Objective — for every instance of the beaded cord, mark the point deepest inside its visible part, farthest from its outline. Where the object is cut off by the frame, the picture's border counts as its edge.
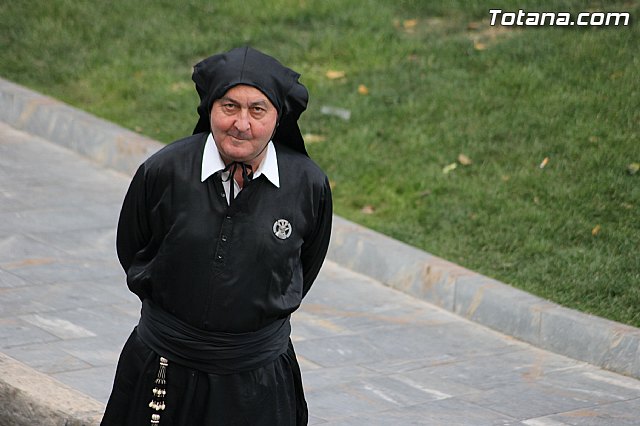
(159, 391)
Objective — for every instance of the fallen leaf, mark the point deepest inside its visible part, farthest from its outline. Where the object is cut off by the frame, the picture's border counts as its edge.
(313, 138)
(505, 178)
(368, 209)
(363, 90)
(544, 162)
(633, 168)
(334, 75)
(464, 160)
(425, 193)
(449, 168)
(596, 230)
(478, 45)
(473, 25)
(410, 24)
(616, 75)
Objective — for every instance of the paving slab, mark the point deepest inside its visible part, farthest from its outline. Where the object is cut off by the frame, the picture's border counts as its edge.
(370, 354)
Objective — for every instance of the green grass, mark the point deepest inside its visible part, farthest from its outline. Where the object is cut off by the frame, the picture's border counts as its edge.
(569, 94)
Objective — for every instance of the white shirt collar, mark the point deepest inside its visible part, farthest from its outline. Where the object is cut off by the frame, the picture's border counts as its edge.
(212, 162)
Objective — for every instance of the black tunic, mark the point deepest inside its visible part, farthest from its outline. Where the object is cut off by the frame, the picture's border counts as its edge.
(220, 268)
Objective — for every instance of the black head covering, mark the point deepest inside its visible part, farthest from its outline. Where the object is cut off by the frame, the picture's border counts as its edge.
(217, 74)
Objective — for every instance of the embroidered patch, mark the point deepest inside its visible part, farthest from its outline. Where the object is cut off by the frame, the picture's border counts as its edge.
(282, 229)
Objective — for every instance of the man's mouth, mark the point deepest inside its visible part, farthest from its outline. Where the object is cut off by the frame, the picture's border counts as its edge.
(239, 138)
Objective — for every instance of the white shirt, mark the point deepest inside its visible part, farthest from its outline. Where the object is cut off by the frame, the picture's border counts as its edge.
(212, 162)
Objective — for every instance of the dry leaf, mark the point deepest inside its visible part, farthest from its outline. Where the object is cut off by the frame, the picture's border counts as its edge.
(544, 162)
(464, 160)
(410, 24)
(478, 45)
(616, 74)
(334, 74)
(363, 90)
(505, 178)
(633, 168)
(368, 209)
(313, 138)
(596, 230)
(473, 26)
(449, 168)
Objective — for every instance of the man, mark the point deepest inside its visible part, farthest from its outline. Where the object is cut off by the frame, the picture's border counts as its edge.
(221, 235)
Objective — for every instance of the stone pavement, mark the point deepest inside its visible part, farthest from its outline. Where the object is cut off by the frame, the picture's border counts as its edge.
(371, 355)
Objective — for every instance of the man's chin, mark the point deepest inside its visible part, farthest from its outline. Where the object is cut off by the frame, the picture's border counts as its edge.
(240, 156)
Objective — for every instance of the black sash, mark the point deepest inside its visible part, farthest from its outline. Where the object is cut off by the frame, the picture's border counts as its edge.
(211, 352)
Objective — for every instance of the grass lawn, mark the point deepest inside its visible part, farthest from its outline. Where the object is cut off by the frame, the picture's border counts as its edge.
(547, 119)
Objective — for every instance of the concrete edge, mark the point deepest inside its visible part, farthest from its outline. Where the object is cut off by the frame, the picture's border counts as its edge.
(476, 297)
(29, 397)
(544, 324)
(104, 142)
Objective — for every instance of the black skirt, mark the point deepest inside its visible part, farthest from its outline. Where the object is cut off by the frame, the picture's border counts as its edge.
(271, 395)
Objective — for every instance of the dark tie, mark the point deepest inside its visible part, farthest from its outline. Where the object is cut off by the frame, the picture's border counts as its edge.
(247, 175)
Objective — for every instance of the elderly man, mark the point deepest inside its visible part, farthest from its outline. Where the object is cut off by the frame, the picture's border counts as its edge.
(221, 235)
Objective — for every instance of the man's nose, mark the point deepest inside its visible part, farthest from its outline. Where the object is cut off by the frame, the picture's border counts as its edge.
(242, 121)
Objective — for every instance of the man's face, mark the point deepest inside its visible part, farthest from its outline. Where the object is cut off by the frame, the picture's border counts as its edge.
(242, 123)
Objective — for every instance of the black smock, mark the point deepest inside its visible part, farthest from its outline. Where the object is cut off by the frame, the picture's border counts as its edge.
(219, 268)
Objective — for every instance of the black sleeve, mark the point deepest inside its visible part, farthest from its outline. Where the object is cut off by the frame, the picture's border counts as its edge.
(134, 231)
(315, 247)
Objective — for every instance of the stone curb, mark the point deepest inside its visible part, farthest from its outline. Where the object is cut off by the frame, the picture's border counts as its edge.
(595, 340)
(106, 143)
(29, 397)
(544, 324)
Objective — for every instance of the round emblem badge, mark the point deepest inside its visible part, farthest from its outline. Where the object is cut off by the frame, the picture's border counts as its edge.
(282, 229)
